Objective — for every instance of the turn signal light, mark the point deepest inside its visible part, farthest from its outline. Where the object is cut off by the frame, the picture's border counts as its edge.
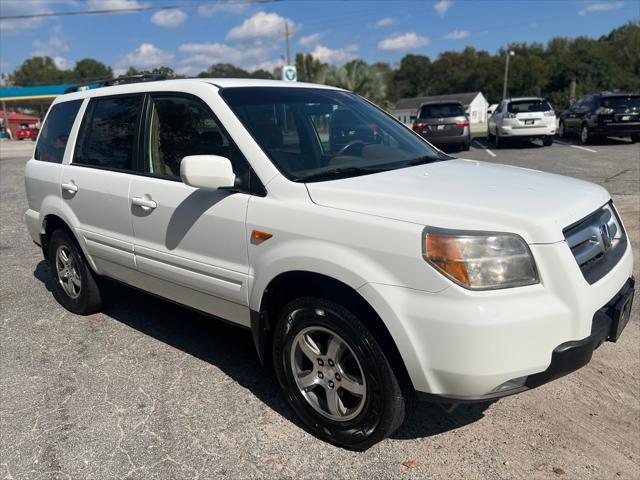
(257, 237)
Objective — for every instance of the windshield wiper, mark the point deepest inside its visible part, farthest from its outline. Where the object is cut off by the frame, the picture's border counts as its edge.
(339, 172)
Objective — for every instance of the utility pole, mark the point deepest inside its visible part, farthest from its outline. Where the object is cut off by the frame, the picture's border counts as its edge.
(287, 36)
(510, 53)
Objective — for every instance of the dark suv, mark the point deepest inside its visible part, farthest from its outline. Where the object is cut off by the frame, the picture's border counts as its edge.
(603, 115)
(444, 124)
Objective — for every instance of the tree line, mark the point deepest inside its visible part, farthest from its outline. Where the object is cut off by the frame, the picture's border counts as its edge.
(561, 70)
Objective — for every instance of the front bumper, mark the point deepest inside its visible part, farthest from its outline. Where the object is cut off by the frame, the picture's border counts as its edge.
(463, 344)
(569, 356)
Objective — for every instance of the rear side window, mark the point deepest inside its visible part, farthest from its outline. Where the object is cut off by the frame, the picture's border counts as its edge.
(442, 110)
(108, 133)
(524, 106)
(55, 133)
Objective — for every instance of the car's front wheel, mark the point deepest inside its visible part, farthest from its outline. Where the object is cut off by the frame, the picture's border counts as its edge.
(585, 136)
(75, 286)
(561, 130)
(335, 375)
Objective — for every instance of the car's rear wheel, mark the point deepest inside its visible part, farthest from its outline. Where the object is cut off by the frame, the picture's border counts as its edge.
(635, 138)
(335, 375)
(547, 141)
(497, 141)
(466, 145)
(75, 286)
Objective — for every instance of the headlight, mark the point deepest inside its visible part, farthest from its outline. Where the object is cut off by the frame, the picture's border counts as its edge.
(480, 260)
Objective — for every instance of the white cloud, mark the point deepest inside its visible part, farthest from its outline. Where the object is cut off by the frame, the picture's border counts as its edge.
(201, 56)
(113, 4)
(223, 7)
(534, 25)
(53, 47)
(146, 56)
(601, 7)
(63, 63)
(385, 22)
(406, 41)
(261, 25)
(169, 18)
(441, 6)
(20, 7)
(310, 40)
(457, 35)
(337, 56)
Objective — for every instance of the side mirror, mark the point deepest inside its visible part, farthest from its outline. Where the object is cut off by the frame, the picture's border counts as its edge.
(207, 171)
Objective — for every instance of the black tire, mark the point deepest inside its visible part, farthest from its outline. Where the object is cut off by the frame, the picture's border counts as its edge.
(635, 138)
(497, 141)
(585, 137)
(90, 296)
(547, 141)
(383, 404)
(562, 131)
(466, 146)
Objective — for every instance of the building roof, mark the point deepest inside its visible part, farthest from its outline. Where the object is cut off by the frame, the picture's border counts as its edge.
(30, 93)
(18, 117)
(414, 103)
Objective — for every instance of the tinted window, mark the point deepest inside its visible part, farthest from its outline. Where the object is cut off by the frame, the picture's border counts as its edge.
(442, 110)
(180, 126)
(108, 135)
(53, 137)
(627, 103)
(312, 132)
(524, 106)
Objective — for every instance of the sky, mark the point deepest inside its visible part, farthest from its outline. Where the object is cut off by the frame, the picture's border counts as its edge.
(251, 34)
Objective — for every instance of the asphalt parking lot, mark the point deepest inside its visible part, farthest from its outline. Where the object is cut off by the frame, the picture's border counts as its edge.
(149, 390)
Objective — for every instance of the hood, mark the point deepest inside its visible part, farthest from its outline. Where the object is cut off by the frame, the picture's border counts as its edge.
(468, 195)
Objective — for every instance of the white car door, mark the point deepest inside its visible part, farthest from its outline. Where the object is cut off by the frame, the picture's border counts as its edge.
(190, 242)
(95, 185)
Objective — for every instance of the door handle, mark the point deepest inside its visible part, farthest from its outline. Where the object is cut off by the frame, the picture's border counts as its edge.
(70, 187)
(145, 203)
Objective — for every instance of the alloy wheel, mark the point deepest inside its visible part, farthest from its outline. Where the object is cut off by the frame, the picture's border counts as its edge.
(328, 373)
(67, 270)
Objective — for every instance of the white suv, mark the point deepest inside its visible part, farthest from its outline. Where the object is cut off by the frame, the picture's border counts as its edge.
(368, 265)
(524, 118)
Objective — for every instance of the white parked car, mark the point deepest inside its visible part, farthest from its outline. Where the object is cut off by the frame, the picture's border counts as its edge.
(524, 118)
(368, 265)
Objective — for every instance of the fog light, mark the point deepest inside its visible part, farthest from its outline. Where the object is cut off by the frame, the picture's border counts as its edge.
(510, 385)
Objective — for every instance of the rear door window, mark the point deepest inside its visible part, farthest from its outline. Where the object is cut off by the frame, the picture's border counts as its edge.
(628, 103)
(108, 135)
(55, 133)
(442, 110)
(527, 106)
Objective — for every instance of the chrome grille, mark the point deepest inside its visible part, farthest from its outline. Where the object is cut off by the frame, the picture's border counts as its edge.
(597, 242)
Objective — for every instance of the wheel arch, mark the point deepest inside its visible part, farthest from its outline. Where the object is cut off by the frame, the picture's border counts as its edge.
(52, 222)
(299, 283)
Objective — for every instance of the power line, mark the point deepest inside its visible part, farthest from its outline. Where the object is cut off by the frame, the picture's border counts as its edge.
(124, 10)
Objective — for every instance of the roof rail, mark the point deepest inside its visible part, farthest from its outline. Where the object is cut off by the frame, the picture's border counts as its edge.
(144, 77)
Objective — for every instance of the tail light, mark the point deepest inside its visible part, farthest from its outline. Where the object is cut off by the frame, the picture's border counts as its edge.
(550, 113)
(464, 123)
(509, 115)
(420, 127)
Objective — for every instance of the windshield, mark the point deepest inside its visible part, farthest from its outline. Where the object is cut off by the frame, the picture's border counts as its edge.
(524, 106)
(627, 103)
(442, 110)
(320, 134)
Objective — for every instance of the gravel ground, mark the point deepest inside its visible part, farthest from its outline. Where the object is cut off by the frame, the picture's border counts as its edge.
(149, 390)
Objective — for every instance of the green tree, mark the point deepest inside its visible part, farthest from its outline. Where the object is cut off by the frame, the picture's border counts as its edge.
(412, 78)
(359, 77)
(88, 69)
(37, 71)
(309, 69)
(224, 70)
(263, 74)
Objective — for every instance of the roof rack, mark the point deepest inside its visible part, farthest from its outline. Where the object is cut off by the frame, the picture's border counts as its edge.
(144, 77)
